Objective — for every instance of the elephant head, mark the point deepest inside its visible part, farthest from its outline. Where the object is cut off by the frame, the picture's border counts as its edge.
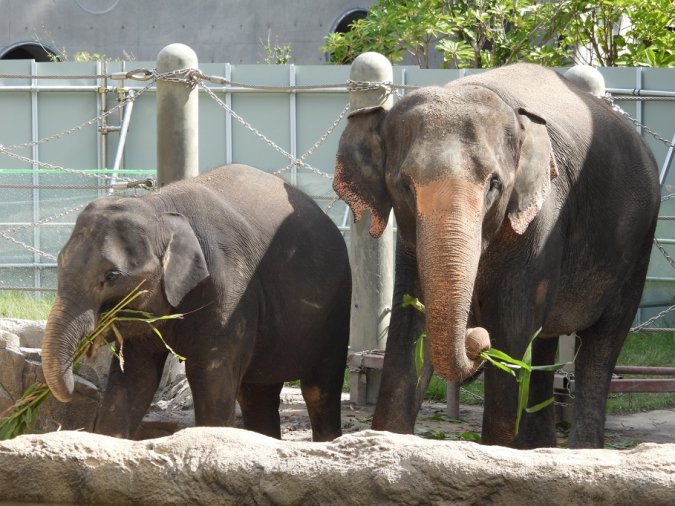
(458, 165)
(115, 245)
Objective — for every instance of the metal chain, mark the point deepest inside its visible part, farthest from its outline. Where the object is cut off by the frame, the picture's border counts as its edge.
(119, 184)
(46, 220)
(645, 99)
(471, 394)
(53, 187)
(652, 320)
(664, 252)
(610, 100)
(316, 145)
(128, 98)
(248, 126)
(52, 167)
(192, 76)
(28, 76)
(6, 150)
(27, 247)
(668, 197)
(332, 203)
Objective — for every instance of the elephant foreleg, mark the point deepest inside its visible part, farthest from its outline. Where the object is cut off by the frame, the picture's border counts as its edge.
(214, 382)
(538, 429)
(128, 394)
(401, 394)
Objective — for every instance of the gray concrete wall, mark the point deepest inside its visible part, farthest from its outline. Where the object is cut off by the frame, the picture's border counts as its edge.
(218, 30)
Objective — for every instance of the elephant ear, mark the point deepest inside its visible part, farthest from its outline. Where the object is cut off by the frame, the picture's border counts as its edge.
(183, 260)
(536, 169)
(359, 168)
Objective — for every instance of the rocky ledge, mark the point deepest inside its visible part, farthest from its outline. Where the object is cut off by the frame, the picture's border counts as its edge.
(232, 466)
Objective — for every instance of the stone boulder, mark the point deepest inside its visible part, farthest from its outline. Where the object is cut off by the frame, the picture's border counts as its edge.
(30, 332)
(226, 466)
(20, 367)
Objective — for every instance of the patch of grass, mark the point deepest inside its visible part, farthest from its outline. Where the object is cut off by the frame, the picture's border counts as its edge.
(650, 350)
(438, 391)
(24, 305)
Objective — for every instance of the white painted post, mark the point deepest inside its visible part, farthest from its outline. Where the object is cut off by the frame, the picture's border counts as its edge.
(372, 260)
(177, 118)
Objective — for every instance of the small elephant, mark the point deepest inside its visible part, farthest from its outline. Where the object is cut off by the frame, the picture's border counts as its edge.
(522, 203)
(261, 274)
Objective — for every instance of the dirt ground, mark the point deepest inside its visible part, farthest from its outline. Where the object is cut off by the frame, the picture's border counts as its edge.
(621, 431)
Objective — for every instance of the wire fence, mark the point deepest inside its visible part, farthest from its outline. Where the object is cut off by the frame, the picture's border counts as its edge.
(195, 78)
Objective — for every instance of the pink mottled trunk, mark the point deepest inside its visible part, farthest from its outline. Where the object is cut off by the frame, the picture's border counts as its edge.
(448, 249)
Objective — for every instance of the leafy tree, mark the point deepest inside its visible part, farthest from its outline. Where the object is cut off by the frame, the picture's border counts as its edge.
(633, 33)
(490, 33)
(392, 28)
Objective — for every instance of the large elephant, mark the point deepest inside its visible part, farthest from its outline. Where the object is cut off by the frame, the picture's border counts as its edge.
(261, 273)
(522, 203)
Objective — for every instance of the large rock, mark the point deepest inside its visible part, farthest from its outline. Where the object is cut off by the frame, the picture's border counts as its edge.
(30, 332)
(20, 368)
(230, 466)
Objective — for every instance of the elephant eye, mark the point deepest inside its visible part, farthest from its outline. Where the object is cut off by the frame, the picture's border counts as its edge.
(112, 275)
(495, 183)
(405, 183)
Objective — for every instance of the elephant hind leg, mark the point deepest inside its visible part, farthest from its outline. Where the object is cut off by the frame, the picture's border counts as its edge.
(323, 397)
(260, 408)
(599, 349)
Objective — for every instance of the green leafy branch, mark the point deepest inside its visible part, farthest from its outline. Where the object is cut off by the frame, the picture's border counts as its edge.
(21, 417)
(500, 360)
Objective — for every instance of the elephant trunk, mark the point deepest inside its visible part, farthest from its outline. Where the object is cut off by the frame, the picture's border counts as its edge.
(449, 248)
(66, 326)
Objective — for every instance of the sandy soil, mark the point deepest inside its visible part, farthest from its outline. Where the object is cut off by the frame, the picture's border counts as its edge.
(624, 431)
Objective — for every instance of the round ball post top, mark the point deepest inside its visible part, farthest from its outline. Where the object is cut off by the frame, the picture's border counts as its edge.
(176, 57)
(371, 67)
(587, 78)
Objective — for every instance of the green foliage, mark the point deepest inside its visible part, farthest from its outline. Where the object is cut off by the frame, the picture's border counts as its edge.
(419, 344)
(625, 33)
(24, 306)
(275, 53)
(469, 33)
(80, 56)
(504, 362)
(491, 33)
(393, 28)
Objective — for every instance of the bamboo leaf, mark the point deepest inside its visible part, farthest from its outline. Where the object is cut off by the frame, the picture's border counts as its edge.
(179, 357)
(419, 357)
(540, 406)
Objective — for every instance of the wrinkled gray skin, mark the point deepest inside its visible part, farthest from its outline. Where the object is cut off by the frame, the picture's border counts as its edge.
(522, 203)
(261, 273)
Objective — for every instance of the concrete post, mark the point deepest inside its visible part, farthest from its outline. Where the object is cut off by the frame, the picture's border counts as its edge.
(587, 78)
(372, 260)
(452, 407)
(177, 118)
